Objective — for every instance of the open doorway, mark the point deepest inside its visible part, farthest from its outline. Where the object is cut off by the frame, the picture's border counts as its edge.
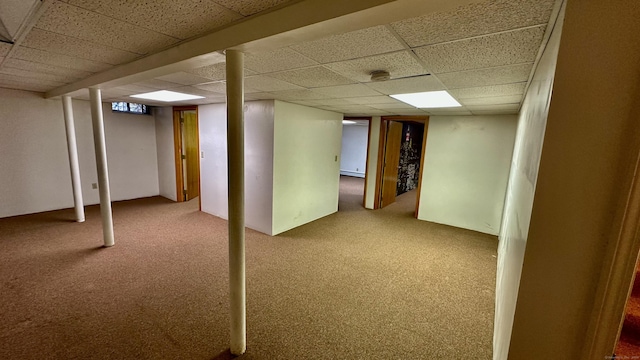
(187, 152)
(400, 161)
(353, 162)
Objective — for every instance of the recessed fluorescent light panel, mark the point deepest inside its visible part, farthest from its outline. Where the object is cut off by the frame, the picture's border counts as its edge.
(428, 100)
(348, 122)
(167, 96)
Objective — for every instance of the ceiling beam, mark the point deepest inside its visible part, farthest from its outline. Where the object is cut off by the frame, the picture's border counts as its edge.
(297, 22)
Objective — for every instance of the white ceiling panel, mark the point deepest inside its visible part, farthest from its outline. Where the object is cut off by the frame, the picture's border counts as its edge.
(213, 72)
(346, 91)
(265, 83)
(492, 76)
(409, 85)
(45, 57)
(473, 20)
(399, 64)
(250, 7)
(486, 91)
(184, 78)
(352, 45)
(441, 112)
(312, 77)
(492, 100)
(179, 19)
(398, 105)
(21, 85)
(381, 99)
(277, 60)
(37, 75)
(506, 107)
(514, 47)
(101, 29)
(4, 48)
(46, 68)
(192, 90)
(299, 95)
(217, 87)
(259, 96)
(70, 46)
(158, 84)
(495, 112)
(34, 81)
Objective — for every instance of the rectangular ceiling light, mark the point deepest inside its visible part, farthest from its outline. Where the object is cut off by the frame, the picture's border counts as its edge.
(429, 99)
(167, 96)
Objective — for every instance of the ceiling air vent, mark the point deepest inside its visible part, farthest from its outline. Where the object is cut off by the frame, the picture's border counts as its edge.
(380, 75)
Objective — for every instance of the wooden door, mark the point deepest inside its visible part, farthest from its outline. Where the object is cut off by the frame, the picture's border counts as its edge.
(391, 160)
(192, 155)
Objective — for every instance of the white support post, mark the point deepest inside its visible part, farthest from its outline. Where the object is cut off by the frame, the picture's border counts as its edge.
(101, 162)
(72, 147)
(235, 163)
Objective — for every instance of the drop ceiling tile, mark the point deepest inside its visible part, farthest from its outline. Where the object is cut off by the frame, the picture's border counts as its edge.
(346, 91)
(495, 112)
(192, 90)
(486, 91)
(184, 78)
(15, 79)
(44, 57)
(492, 76)
(46, 68)
(408, 85)
(250, 7)
(475, 19)
(403, 111)
(398, 64)
(123, 90)
(4, 48)
(492, 100)
(333, 102)
(366, 42)
(36, 75)
(217, 87)
(21, 85)
(450, 113)
(277, 60)
(259, 96)
(179, 19)
(514, 47)
(70, 46)
(76, 22)
(398, 105)
(264, 83)
(505, 107)
(380, 99)
(158, 84)
(299, 95)
(312, 77)
(213, 72)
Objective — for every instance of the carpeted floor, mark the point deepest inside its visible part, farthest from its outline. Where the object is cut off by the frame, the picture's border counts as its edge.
(357, 284)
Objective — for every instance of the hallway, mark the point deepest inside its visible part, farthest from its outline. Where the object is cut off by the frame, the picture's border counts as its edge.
(357, 284)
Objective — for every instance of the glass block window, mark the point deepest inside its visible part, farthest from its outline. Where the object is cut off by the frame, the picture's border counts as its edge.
(132, 108)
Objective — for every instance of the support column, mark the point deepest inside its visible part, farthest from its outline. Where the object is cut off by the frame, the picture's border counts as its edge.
(101, 161)
(235, 163)
(72, 146)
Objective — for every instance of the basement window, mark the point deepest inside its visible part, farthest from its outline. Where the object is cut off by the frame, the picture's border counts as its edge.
(132, 108)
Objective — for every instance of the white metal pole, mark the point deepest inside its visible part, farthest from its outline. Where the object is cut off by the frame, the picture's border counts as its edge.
(72, 146)
(101, 162)
(235, 163)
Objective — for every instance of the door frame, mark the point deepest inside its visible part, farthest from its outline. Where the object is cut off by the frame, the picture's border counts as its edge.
(177, 151)
(381, 151)
(366, 165)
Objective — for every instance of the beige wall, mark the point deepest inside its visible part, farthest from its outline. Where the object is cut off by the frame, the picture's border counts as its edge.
(590, 141)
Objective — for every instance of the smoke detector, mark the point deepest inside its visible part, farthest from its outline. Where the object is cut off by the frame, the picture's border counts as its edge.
(380, 75)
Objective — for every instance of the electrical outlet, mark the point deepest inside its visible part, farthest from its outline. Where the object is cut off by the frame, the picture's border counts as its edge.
(94, 186)
(202, 154)
(336, 158)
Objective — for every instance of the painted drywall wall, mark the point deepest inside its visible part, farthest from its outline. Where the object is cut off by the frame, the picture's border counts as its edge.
(258, 117)
(372, 162)
(353, 158)
(35, 167)
(306, 167)
(532, 122)
(466, 168)
(590, 149)
(166, 152)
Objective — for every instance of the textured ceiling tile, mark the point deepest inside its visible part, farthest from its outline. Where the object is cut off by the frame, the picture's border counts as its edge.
(333, 102)
(352, 45)
(506, 107)
(277, 60)
(345, 91)
(259, 96)
(449, 113)
(184, 78)
(250, 7)
(265, 83)
(486, 91)
(409, 85)
(219, 87)
(73, 21)
(394, 106)
(493, 100)
(381, 99)
(36, 75)
(192, 90)
(312, 77)
(12, 78)
(4, 48)
(65, 45)
(495, 112)
(21, 85)
(514, 47)
(45, 57)
(299, 95)
(180, 19)
(158, 84)
(475, 19)
(46, 68)
(493, 76)
(213, 72)
(398, 64)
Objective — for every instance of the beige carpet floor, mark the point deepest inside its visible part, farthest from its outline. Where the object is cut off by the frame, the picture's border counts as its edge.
(357, 284)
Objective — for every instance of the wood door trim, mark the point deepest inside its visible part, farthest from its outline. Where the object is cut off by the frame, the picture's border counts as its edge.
(366, 165)
(177, 150)
(424, 146)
